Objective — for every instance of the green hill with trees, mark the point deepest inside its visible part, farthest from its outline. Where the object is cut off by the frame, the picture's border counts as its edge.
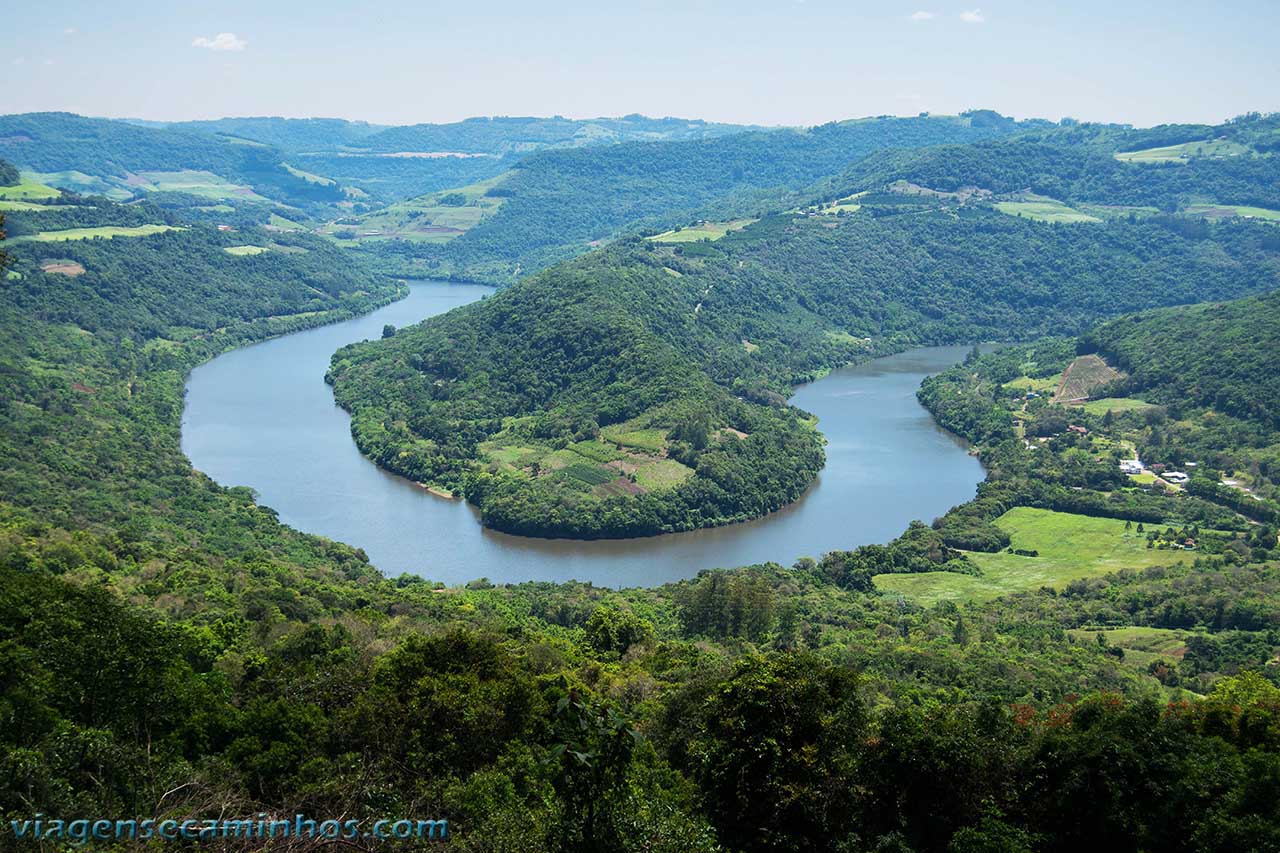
(171, 650)
(559, 204)
(530, 402)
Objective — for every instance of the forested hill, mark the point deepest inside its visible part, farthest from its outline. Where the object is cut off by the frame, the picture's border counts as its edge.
(123, 160)
(1225, 356)
(550, 405)
(1071, 175)
(394, 163)
(170, 650)
(480, 135)
(558, 204)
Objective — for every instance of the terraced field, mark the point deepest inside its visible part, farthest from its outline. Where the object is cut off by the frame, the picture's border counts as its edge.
(620, 462)
(1083, 377)
(434, 218)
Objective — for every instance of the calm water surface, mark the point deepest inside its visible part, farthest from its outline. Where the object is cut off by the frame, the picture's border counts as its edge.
(263, 417)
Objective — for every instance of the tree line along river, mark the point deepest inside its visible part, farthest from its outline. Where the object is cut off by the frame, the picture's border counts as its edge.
(263, 417)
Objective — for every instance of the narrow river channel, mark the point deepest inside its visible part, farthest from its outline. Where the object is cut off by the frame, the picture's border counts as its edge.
(263, 417)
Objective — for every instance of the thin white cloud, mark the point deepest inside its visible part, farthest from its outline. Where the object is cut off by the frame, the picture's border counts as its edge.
(922, 16)
(973, 16)
(48, 62)
(18, 60)
(70, 31)
(222, 41)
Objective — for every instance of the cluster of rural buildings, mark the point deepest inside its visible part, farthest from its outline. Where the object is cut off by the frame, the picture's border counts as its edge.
(1135, 466)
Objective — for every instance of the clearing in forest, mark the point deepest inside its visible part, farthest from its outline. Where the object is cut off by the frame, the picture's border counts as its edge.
(1070, 547)
(107, 231)
(1185, 151)
(701, 231)
(62, 267)
(1233, 211)
(1043, 209)
(433, 218)
(1083, 377)
(29, 190)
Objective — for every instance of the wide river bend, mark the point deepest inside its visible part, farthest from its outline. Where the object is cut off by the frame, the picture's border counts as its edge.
(263, 417)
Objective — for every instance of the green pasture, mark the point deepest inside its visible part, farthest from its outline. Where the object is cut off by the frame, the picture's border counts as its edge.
(1044, 210)
(701, 231)
(1185, 151)
(1113, 404)
(1070, 547)
(107, 231)
(29, 189)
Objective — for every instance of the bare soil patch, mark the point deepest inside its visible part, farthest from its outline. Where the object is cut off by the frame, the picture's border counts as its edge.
(70, 268)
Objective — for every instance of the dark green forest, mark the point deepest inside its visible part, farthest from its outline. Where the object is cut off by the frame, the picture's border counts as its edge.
(168, 648)
(645, 334)
(558, 202)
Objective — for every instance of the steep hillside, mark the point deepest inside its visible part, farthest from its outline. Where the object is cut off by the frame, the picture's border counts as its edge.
(122, 160)
(394, 163)
(542, 403)
(558, 204)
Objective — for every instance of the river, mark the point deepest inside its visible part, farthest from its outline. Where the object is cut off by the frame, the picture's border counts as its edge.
(262, 416)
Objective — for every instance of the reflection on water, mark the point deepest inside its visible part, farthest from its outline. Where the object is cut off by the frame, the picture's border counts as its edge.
(263, 417)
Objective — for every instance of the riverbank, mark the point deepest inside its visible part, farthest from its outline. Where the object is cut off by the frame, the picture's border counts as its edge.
(262, 416)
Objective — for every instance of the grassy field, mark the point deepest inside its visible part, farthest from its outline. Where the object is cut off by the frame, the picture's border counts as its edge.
(278, 221)
(662, 474)
(28, 190)
(80, 182)
(1045, 385)
(1114, 404)
(1071, 546)
(643, 439)
(1116, 211)
(107, 231)
(701, 231)
(193, 182)
(7, 204)
(1044, 210)
(424, 219)
(309, 177)
(1184, 152)
(1141, 645)
(1230, 211)
(242, 251)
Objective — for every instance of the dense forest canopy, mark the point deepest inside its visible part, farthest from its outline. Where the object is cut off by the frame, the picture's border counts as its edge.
(639, 335)
(1225, 356)
(879, 698)
(559, 202)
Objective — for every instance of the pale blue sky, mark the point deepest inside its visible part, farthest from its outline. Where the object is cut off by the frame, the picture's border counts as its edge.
(780, 62)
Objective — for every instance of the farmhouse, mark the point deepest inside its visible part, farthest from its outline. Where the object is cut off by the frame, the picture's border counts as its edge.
(1175, 477)
(1131, 466)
